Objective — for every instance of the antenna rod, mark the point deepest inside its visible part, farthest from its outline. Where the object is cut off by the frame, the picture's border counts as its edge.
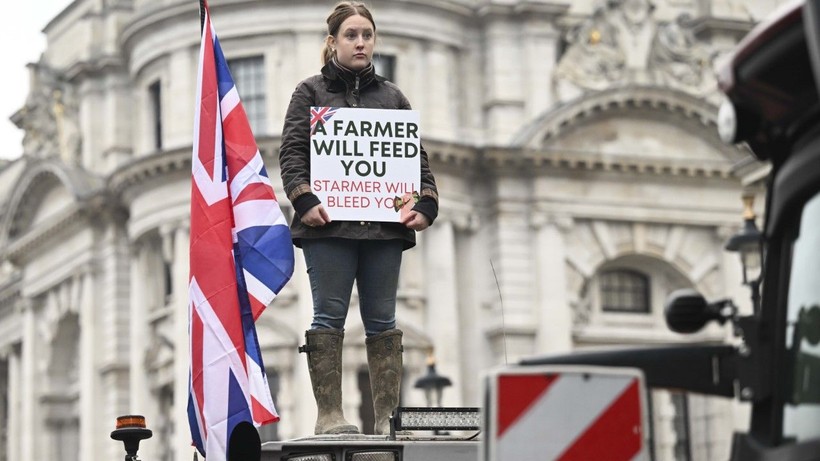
(503, 321)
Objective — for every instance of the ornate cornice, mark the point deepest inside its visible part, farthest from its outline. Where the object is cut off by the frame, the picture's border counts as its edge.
(522, 9)
(448, 153)
(96, 67)
(532, 161)
(150, 166)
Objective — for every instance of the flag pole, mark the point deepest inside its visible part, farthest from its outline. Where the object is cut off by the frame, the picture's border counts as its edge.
(203, 6)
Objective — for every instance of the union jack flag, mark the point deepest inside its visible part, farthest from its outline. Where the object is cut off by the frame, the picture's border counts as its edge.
(320, 115)
(240, 257)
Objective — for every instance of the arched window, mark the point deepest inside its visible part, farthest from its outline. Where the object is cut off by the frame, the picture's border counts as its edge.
(625, 290)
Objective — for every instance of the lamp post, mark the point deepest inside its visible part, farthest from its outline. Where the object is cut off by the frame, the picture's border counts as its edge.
(748, 242)
(130, 430)
(432, 383)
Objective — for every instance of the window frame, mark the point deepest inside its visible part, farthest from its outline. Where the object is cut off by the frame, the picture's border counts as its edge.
(155, 101)
(630, 275)
(250, 78)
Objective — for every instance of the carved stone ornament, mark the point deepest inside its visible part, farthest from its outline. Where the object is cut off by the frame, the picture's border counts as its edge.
(50, 117)
(679, 59)
(636, 12)
(594, 58)
(623, 43)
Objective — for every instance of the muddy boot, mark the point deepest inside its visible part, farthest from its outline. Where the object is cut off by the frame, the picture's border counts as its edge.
(385, 363)
(324, 353)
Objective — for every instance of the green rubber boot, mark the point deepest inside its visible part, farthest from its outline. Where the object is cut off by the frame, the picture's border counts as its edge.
(384, 358)
(324, 355)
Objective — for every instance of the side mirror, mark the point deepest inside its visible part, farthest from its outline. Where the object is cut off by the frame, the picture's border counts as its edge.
(687, 311)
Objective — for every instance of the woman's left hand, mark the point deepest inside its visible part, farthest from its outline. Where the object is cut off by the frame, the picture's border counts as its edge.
(416, 221)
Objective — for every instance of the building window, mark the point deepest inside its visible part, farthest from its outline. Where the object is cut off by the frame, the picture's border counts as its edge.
(385, 66)
(155, 97)
(680, 424)
(249, 77)
(624, 291)
(168, 280)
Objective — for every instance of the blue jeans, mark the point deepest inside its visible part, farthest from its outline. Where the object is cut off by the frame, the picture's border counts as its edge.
(333, 264)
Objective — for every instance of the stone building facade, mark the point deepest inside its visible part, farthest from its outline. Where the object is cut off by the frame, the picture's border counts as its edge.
(580, 175)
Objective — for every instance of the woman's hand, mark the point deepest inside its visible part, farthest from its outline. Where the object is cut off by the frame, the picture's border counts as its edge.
(316, 217)
(416, 221)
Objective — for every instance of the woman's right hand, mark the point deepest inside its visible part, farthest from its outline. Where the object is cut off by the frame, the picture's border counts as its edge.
(316, 217)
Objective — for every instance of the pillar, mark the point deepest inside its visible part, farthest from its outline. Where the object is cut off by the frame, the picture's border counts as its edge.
(442, 304)
(552, 311)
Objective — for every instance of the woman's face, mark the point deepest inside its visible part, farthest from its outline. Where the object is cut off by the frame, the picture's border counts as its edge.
(354, 42)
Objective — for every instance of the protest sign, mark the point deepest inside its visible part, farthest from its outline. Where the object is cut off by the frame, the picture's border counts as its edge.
(365, 163)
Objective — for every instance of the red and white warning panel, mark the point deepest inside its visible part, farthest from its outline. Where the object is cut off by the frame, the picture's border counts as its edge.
(565, 413)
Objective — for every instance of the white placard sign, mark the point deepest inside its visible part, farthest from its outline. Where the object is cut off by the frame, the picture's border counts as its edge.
(365, 163)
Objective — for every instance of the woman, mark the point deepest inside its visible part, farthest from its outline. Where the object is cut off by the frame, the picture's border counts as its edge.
(339, 252)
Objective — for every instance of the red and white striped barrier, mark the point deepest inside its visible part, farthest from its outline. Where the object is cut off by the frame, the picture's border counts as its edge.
(565, 413)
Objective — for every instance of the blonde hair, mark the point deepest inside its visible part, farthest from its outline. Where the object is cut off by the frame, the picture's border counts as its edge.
(340, 13)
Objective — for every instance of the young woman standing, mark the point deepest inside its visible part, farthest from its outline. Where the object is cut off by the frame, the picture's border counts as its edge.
(337, 253)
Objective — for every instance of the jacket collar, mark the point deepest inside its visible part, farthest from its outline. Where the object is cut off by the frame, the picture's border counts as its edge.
(340, 78)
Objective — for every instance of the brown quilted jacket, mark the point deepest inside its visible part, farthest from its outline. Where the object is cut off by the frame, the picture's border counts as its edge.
(337, 87)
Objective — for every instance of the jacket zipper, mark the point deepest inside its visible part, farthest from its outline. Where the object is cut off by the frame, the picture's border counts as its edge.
(356, 92)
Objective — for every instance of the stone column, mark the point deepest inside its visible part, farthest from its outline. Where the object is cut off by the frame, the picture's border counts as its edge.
(511, 329)
(29, 394)
(119, 124)
(440, 120)
(471, 272)
(177, 117)
(442, 304)
(178, 239)
(540, 47)
(519, 52)
(140, 399)
(13, 432)
(91, 446)
(552, 311)
(663, 413)
(503, 98)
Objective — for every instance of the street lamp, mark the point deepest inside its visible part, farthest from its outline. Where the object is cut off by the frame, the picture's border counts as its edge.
(748, 242)
(130, 430)
(432, 383)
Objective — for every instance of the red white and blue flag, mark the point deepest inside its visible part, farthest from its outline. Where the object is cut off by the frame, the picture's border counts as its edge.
(241, 256)
(320, 115)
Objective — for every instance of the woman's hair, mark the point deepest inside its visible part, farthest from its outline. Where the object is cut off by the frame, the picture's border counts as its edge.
(340, 13)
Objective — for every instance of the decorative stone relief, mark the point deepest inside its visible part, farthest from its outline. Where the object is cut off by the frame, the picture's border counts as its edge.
(679, 60)
(623, 43)
(50, 117)
(594, 58)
